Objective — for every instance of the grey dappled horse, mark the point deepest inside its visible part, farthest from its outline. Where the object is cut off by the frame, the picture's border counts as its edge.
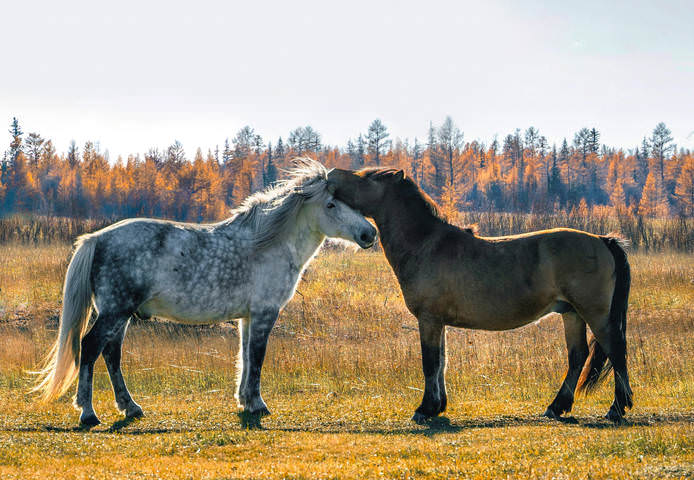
(245, 267)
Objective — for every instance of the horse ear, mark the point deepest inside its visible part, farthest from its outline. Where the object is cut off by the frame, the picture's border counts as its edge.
(399, 175)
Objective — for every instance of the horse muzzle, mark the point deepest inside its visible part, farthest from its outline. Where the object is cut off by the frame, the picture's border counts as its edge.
(367, 237)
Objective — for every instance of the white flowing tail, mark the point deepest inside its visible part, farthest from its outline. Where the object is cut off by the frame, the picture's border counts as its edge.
(62, 363)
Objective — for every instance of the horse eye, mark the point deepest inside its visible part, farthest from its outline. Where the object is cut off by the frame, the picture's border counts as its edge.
(330, 205)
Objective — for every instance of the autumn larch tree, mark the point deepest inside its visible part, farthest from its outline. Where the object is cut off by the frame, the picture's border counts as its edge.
(653, 202)
(684, 191)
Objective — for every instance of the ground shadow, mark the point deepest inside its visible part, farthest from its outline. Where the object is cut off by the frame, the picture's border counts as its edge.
(444, 425)
(118, 425)
(438, 425)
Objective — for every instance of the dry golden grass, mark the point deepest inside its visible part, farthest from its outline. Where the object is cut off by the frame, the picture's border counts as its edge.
(342, 378)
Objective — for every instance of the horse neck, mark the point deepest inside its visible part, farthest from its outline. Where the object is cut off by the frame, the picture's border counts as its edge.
(404, 225)
(304, 238)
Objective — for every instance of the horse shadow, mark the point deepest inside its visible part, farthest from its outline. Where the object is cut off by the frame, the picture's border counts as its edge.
(119, 425)
(435, 426)
(443, 424)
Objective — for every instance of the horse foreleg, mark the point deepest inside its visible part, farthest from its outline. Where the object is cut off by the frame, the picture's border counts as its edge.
(430, 336)
(242, 362)
(442, 373)
(577, 347)
(93, 343)
(112, 358)
(261, 325)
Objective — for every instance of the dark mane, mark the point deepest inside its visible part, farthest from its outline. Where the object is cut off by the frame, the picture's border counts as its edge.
(377, 173)
(412, 194)
(411, 190)
(408, 191)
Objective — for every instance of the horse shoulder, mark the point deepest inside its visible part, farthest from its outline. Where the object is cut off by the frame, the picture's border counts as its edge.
(273, 276)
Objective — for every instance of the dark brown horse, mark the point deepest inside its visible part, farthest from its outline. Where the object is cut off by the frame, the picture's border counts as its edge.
(450, 276)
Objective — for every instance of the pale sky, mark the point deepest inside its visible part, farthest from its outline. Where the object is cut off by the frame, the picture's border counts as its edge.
(136, 74)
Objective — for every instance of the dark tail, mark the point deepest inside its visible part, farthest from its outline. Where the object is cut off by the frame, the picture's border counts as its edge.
(597, 367)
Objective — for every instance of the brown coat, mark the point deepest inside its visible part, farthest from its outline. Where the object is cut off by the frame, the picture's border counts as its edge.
(450, 276)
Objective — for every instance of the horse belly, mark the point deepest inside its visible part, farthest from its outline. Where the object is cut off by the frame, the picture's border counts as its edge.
(491, 309)
(495, 321)
(193, 311)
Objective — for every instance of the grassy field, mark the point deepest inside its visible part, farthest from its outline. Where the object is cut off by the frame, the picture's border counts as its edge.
(342, 379)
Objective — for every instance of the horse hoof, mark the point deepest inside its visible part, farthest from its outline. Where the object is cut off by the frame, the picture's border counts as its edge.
(89, 421)
(420, 418)
(549, 413)
(261, 412)
(134, 413)
(615, 417)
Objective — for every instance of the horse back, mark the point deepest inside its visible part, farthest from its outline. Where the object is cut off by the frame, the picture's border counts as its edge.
(164, 266)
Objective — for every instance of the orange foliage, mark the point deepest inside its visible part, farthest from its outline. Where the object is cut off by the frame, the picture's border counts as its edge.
(520, 175)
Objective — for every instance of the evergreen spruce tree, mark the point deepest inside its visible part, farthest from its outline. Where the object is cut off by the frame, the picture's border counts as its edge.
(377, 140)
(660, 147)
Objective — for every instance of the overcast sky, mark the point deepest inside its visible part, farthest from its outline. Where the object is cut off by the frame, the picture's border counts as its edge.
(137, 74)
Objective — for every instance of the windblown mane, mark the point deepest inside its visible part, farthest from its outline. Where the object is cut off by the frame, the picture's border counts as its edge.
(271, 211)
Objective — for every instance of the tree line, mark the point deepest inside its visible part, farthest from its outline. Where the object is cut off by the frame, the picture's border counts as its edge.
(520, 173)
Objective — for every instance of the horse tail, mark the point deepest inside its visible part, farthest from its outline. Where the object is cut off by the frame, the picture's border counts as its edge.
(597, 367)
(62, 362)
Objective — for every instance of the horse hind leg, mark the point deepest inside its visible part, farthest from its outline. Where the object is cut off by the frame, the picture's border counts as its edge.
(577, 348)
(609, 327)
(112, 358)
(623, 396)
(609, 344)
(104, 330)
(613, 343)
